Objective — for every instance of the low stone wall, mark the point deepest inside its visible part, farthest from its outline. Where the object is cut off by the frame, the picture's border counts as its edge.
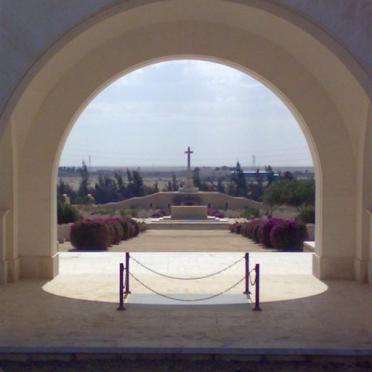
(309, 246)
(63, 232)
(164, 200)
(310, 228)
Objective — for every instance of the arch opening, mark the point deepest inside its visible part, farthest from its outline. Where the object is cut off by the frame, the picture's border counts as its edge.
(215, 151)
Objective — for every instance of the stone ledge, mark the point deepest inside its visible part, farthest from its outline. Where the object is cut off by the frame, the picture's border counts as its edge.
(309, 246)
(25, 354)
(191, 225)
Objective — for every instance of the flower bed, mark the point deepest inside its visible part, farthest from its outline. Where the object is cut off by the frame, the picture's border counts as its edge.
(99, 234)
(273, 232)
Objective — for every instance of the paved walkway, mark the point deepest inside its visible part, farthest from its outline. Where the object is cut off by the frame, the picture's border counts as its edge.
(184, 240)
(78, 308)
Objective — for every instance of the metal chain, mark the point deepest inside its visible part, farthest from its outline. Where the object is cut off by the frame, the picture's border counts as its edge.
(186, 300)
(249, 276)
(186, 278)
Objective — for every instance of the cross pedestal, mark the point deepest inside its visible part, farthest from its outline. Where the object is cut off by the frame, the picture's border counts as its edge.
(189, 183)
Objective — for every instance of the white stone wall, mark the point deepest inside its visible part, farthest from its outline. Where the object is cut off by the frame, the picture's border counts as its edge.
(163, 200)
(56, 55)
(30, 27)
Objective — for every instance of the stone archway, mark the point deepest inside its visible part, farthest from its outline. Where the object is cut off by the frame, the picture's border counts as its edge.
(313, 75)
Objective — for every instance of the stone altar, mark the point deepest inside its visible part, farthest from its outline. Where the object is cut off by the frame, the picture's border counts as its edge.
(189, 212)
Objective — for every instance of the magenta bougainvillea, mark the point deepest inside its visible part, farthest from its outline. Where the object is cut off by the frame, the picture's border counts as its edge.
(273, 232)
(101, 233)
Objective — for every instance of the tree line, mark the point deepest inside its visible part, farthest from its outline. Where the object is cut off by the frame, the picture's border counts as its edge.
(107, 189)
(271, 189)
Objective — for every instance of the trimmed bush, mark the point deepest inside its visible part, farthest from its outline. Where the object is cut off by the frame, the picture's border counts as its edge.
(131, 228)
(136, 229)
(235, 227)
(90, 235)
(264, 230)
(274, 232)
(244, 229)
(255, 230)
(99, 234)
(127, 230)
(288, 235)
(116, 230)
(250, 229)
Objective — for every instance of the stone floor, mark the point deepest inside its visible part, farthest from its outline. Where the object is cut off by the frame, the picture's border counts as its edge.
(78, 308)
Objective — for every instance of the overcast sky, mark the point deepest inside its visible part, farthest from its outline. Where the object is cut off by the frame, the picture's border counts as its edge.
(151, 115)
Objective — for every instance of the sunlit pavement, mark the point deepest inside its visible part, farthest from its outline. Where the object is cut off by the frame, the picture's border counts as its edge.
(78, 307)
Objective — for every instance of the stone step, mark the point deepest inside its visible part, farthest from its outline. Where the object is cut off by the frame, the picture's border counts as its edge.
(184, 359)
(188, 225)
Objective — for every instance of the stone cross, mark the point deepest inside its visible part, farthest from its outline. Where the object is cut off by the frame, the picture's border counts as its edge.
(189, 152)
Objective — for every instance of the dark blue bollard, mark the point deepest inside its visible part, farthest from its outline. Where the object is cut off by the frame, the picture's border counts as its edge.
(121, 287)
(257, 289)
(246, 258)
(127, 257)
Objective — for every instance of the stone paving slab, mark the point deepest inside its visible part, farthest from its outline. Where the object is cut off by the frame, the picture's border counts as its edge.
(186, 263)
(78, 309)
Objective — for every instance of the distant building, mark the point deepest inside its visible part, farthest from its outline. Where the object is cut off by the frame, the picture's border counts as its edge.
(251, 175)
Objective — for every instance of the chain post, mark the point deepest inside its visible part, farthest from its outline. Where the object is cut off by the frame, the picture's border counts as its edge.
(257, 289)
(127, 259)
(121, 287)
(246, 258)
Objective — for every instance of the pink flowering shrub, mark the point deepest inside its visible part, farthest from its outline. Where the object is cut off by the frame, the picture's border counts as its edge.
(99, 234)
(288, 235)
(235, 227)
(116, 229)
(264, 230)
(274, 233)
(90, 235)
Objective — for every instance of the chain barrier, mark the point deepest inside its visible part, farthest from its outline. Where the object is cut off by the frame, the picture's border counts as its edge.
(187, 278)
(249, 276)
(124, 274)
(183, 299)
